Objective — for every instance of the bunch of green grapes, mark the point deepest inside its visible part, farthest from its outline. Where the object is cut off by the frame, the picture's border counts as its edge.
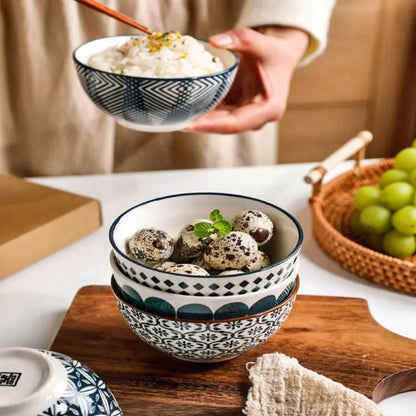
(386, 214)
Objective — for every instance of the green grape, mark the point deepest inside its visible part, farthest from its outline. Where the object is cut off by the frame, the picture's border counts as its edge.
(404, 220)
(392, 175)
(406, 159)
(397, 195)
(412, 178)
(366, 195)
(374, 241)
(376, 219)
(399, 245)
(356, 227)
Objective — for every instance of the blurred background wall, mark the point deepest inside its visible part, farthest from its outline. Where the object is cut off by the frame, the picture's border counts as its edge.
(365, 80)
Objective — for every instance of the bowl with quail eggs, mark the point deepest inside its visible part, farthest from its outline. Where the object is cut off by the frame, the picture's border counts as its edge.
(205, 255)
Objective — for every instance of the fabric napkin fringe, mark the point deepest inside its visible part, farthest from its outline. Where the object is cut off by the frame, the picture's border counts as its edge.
(282, 387)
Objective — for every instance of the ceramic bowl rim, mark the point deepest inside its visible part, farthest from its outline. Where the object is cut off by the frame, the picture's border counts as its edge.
(291, 295)
(192, 78)
(237, 298)
(154, 200)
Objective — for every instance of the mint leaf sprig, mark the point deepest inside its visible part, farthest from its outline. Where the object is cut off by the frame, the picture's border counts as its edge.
(219, 226)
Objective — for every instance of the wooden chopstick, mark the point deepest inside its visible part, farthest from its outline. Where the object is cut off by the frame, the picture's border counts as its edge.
(116, 15)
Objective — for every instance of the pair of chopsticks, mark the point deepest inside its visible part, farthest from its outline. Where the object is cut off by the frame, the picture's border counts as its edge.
(116, 15)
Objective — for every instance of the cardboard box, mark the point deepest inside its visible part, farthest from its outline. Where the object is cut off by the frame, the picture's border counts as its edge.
(37, 220)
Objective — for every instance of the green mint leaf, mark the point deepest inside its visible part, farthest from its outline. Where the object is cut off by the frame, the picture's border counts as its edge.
(223, 227)
(215, 215)
(218, 226)
(203, 229)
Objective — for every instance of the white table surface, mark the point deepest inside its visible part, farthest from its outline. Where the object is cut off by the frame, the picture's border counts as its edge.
(33, 301)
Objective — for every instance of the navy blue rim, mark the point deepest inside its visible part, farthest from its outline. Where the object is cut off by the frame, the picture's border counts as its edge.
(120, 297)
(295, 221)
(224, 71)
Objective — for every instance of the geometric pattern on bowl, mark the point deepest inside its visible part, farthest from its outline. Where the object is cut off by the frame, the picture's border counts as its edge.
(233, 309)
(199, 307)
(148, 101)
(85, 393)
(204, 341)
(152, 101)
(211, 286)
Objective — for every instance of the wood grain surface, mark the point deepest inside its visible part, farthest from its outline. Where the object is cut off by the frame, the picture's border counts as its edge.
(334, 336)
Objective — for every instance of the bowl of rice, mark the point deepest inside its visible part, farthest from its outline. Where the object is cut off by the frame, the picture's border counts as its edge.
(159, 82)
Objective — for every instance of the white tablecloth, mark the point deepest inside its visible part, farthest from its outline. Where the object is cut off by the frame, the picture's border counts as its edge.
(34, 301)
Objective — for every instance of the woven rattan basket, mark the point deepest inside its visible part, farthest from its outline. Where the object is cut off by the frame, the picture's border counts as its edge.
(332, 208)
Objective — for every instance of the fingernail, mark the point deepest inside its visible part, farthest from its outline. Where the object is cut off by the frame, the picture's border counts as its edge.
(188, 128)
(223, 40)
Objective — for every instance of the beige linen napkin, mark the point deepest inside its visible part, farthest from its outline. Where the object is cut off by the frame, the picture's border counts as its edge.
(282, 387)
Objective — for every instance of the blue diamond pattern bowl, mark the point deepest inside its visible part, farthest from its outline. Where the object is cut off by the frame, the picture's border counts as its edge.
(200, 307)
(200, 340)
(171, 213)
(152, 104)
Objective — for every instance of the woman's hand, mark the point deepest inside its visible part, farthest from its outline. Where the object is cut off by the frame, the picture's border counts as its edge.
(259, 94)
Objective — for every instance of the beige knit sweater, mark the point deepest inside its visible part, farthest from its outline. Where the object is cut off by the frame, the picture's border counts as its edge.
(48, 126)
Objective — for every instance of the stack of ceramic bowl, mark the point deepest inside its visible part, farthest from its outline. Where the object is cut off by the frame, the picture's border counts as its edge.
(204, 318)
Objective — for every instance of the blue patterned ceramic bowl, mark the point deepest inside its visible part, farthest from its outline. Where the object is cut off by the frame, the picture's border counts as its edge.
(205, 341)
(45, 383)
(200, 307)
(152, 104)
(171, 213)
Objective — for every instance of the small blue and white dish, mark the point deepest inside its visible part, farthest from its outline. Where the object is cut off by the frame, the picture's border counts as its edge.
(152, 104)
(200, 340)
(46, 383)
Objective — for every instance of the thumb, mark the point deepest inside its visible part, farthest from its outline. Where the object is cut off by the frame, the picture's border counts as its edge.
(241, 40)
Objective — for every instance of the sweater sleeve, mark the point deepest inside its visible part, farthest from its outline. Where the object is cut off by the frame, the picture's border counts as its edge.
(312, 16)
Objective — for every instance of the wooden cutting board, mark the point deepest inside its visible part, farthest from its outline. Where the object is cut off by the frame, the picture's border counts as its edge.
(333, 336)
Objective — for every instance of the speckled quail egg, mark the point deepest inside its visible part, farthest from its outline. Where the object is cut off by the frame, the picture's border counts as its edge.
(187, 268)
(164, 265)
(260, 261)
(230, 272)
(176, 256)
(199, 261)
(188, 244)
(233, 251)
(151, 245)
(255, 223)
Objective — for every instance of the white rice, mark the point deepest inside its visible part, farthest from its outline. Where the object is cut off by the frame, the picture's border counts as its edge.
(168, 55)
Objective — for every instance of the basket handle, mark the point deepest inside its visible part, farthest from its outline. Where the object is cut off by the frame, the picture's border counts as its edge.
(356, 145)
